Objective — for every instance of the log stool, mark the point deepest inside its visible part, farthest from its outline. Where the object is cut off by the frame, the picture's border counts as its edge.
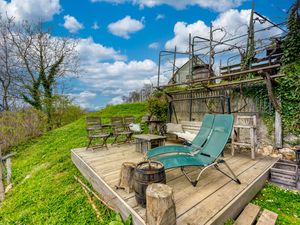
(160, 209)
(126, 180)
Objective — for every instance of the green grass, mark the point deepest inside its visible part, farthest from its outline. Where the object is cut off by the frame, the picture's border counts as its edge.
(45, 191)
(283, 202)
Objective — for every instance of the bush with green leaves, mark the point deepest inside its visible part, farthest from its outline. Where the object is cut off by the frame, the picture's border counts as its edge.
(158, 106)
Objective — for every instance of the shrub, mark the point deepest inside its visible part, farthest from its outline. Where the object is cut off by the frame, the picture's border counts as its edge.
(158, 106)
(19, 126)
(65, 112)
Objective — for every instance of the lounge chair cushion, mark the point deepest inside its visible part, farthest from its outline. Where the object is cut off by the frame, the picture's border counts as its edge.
(135, 127)
(170, 149)
(196, 143)
(184, 160)
(186, 135)
(173, 127)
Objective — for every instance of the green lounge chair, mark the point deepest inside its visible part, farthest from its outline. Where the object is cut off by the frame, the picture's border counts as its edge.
(209, 154)
(195, 145)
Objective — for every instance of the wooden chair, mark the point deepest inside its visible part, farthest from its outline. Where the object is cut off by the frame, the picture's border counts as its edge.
(128, 120)
(248, 123)
(95, 130)
(119, 128)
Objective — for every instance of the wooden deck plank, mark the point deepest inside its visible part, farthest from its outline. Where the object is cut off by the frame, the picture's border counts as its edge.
(212, 206)
(193, 204)
(183, 189)
(211, 182)
(267, 218)
(248, 216)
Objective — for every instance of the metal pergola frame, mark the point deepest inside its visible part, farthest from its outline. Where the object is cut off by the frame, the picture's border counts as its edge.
(225, 100)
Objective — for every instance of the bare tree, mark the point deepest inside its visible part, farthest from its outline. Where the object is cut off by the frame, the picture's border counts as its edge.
(43, 60)
(8, 65)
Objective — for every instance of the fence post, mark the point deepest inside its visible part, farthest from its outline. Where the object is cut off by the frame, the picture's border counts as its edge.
(2, 189)
(278, 130)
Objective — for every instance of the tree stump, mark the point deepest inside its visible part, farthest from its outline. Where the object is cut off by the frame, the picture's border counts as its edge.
(160, 209)
(126, 176)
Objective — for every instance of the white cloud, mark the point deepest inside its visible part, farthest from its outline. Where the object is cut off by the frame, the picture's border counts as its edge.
(126, 26)
(233, 21)
(107, 73)
(116, 100)
(83, 99)
(118, 78)
(91, 52)
(72, 24)
(160, 17)
(95, 26)
(182, 31)
(154, 45)
(32, 10)
(220, 5)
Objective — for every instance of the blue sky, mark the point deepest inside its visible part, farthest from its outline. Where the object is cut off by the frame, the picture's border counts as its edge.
(121, 54)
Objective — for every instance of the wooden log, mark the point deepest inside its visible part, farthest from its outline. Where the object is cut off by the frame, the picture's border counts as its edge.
(126, 176)
(8, 170)
(160, 206)
(8, 156)
(93, 193)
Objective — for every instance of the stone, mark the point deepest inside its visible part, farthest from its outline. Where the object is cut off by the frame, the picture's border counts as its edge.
(276, 155)
(288, 153)
(266, 150)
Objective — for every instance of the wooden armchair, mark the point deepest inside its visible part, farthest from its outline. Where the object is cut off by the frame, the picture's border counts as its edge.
(95, 130)
(120, 127)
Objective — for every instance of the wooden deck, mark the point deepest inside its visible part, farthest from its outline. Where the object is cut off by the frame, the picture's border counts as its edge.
(215, 199)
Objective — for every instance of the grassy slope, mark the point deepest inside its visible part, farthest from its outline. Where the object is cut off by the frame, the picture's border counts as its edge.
(45, 191)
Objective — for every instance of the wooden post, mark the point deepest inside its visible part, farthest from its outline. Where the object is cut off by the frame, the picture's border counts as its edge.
(8, 170)
(160, 208)
(126, 176)
(174, 62)
(210, 50)
(278, 130)
(2, 189)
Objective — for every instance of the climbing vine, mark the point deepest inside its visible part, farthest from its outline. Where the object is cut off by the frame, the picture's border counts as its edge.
(288, 89)
(291, 44)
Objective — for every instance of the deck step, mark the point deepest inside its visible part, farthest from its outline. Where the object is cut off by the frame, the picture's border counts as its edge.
(248, 216)
(267, 218)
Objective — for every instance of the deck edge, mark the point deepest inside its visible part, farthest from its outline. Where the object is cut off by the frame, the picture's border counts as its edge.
(235, 207)
(104, 190)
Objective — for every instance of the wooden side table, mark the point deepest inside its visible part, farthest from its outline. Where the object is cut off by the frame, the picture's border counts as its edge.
(144, 142)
